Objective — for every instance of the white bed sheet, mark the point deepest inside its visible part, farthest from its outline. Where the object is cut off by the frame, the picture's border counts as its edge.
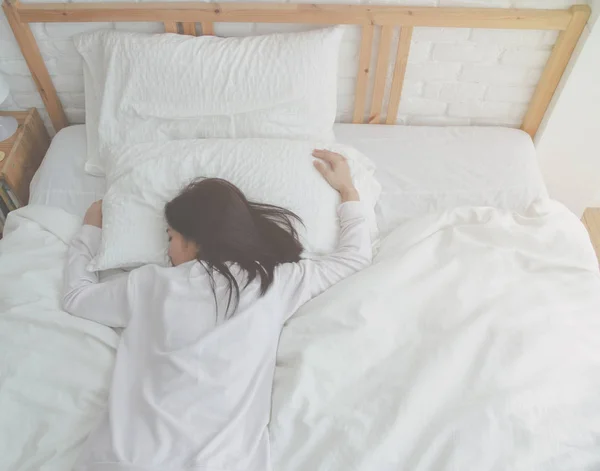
(421, 169)
(425, 169)
(61, 180)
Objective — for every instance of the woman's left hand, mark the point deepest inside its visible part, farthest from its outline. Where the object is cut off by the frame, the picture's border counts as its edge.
(335, 169)
(93, 216)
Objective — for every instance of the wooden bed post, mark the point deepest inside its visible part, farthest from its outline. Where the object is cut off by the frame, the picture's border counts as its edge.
(555, 68)
(35, 62)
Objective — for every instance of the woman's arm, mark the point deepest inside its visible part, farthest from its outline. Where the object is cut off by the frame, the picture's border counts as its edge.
(106, 303)
(353, 252)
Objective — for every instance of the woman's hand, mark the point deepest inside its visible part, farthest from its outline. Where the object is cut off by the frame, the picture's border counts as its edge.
(336, 171)
(93, 216)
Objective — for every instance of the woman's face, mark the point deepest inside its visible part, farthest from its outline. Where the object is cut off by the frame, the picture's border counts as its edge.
(181, 250)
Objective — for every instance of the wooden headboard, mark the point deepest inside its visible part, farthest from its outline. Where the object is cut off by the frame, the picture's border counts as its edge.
(184, 17)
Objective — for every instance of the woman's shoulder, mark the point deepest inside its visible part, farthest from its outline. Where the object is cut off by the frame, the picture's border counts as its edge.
(288, 271)
(160, 271)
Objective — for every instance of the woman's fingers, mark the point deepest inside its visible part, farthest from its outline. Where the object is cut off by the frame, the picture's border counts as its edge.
(335, 169)
(327, 155)
(93, 215)
(330, 157)
(322, 168)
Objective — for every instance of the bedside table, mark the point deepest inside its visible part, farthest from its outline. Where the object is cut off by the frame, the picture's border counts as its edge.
(591, 220)
(20, 157)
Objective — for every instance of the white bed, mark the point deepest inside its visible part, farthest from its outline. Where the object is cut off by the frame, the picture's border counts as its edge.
(422, 169)
(471, 343)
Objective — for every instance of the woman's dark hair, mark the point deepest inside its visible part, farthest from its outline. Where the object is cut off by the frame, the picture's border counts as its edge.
(227, 228)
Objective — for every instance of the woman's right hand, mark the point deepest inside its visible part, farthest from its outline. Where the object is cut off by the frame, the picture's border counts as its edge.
(336, 171)
(93, 216)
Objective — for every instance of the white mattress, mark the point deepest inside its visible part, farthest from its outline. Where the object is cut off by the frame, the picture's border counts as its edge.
(499, 370)
(422, 169)
(61, 180)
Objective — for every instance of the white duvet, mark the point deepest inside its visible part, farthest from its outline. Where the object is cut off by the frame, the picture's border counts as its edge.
(470, 344)
(54, 368)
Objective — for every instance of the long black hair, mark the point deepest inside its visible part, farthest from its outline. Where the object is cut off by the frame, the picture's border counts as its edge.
(227, 228)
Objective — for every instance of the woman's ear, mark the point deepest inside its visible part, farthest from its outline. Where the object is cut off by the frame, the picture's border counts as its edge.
(191, 248)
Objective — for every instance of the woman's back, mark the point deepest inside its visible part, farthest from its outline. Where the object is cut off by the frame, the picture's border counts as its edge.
(193, 375)
(191, 387)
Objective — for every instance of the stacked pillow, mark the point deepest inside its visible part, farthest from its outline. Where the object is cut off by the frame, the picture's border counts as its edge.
(162, 110)
(272, 171)
(150, 88)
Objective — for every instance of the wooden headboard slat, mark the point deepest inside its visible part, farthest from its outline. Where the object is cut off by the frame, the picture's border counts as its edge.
(171, 27)
(570, 22)
(208, 28)
(189, 28)
(399, 72)
(383, 58)
(362, 78)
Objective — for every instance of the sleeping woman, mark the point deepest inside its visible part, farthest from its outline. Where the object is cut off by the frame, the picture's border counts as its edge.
(191, 387)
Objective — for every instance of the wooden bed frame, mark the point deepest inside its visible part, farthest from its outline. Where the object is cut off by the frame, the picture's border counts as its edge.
(182, 18)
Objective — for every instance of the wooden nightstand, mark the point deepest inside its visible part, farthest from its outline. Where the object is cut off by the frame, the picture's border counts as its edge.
(591, 219)
(20, 157)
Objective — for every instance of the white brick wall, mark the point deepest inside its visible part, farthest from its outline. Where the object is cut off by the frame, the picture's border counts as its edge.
(455, 92)
(467, 53)
(499, 75)
(509, 94)
(455, 76)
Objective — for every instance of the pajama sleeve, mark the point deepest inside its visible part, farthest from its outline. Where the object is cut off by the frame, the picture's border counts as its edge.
(311, 277)
(107, 303)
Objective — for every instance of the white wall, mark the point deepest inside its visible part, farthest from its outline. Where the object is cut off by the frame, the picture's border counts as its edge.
(455, 76)
(569, 142)
(595, 11)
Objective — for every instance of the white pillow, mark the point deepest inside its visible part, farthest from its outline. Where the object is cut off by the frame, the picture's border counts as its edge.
(145, 88)
(143, 177)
